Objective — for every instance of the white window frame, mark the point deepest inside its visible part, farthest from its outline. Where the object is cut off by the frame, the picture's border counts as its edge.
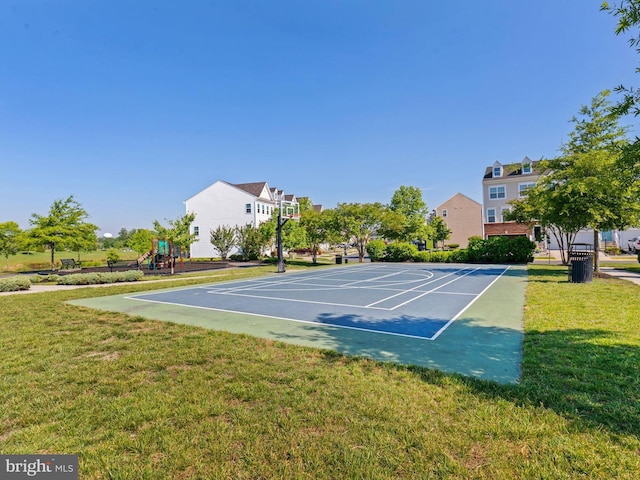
(489, 215)
(502, 210)
(526, 168)
(498, 170)
(527, 185)
(247, 208)
(497, 187)
(444, 213)
(196, 231)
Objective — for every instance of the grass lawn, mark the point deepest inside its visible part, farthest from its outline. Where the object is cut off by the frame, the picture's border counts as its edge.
(139, 399)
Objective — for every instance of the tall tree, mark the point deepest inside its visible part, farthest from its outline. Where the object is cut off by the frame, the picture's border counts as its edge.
(358, 223)
(411, 211)
(59, 229)
(317, 226)
(9, 240)
(584, 188)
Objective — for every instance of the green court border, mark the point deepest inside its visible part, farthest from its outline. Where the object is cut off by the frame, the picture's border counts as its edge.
(484, 342)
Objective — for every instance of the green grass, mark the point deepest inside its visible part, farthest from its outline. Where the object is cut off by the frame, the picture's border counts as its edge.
(138, 399)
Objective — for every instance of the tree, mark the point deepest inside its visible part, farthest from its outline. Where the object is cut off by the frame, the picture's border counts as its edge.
(140, 241)
(223, 238)
(250, 241)
(439, 231)
(178, 233)
(410, 211)
(9, 240)
(585, 187)
(317, 226)
(358, 223)
(628, 16)
(59, 229)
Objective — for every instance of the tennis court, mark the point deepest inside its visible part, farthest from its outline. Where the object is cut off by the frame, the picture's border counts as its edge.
(437, 315)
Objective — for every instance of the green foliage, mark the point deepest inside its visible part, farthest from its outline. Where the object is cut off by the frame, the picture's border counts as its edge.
(250, 241)
(9, 240)
(112, 256)
(63, 227)
(399, 252)
(223, 238)
(375, 249)
(405, 219)
(140, 240)
(501, 250)
(358, 223)
(439, 231)
(100, 278)
(317, 226)
(14, 284)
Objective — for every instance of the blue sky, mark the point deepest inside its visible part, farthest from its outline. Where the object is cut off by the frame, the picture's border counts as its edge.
(134, 106)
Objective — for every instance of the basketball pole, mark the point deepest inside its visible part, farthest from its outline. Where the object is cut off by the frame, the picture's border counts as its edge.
(281, 222)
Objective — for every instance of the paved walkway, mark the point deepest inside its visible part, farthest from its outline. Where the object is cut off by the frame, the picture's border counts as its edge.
(622, 274)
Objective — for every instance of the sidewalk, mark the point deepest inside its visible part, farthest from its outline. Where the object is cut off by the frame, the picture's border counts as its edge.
(622, 274)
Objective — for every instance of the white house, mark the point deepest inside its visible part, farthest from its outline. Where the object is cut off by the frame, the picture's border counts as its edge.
(241, 204)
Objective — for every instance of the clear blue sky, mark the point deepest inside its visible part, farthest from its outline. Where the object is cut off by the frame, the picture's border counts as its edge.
(134, 106)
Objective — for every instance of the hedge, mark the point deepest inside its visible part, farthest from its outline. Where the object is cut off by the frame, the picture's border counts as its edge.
(14, 284)
(100, 277)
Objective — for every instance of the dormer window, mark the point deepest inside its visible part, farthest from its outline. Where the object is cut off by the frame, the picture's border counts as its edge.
(526, 168)
(497, 171)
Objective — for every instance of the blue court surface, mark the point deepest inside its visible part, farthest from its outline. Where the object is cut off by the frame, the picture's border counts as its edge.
(411, 300)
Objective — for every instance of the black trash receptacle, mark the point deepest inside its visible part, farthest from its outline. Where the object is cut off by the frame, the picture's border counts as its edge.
(338, 259)
(581, 267)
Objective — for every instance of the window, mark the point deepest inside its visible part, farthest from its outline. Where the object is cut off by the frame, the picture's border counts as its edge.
(523, 187)
(497, 171)
(499, 191)
(504, 211)
(491, 215)
(444, 213)
(247, 208)
(196, 231)
(526, 168)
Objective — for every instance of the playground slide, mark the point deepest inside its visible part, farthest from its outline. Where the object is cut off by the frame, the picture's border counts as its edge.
(144, 257)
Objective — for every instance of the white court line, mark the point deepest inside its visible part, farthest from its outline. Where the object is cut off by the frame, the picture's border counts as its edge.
(444, 327)
(327, 325)
(437, 288)
(415, 288)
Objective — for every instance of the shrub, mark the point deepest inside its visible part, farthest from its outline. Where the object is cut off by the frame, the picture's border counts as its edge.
(14, 284)
(100, 278)
(453, 246)
(613, 250)
(112, 256)
(236, 257)
(500, 250)
(400, 252)
(375, 249)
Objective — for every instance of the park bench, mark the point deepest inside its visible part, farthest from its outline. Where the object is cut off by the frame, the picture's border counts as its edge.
(122, 264)
(70, 263)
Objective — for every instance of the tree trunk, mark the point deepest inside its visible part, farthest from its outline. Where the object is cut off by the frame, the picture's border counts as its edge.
(53, 251)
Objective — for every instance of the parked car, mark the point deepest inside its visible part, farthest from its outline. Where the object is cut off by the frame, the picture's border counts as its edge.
(634, 245)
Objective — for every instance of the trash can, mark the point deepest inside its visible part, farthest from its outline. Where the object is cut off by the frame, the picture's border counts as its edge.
(338, 259)
(581, 266)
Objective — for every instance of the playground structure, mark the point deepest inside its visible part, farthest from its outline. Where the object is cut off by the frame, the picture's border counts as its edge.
(163, 254)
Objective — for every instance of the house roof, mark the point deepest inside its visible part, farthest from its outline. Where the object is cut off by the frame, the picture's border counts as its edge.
(254, 188)
(459, 195)
(513, 169)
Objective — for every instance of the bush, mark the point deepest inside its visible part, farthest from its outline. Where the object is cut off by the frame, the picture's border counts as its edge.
(453, 246)
(100, 278)
(14, 284)
(236, 257)
(500, 250)
(375, 249)
(613, 250)
(400, 252)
